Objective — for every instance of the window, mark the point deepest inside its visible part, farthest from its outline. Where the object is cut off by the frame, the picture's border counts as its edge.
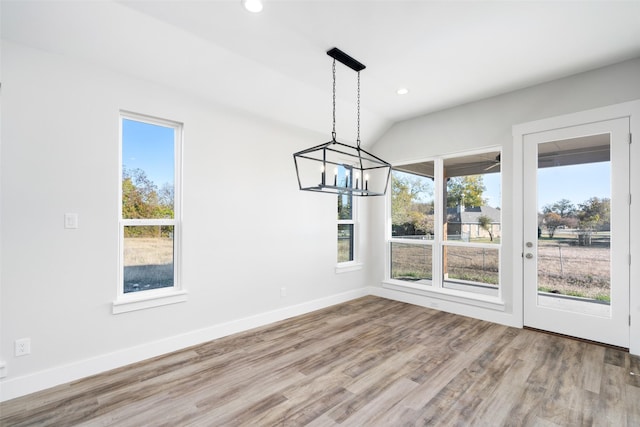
(472, 226)
(446, 224)
(412, 224)
(149, 212)
(345, 228)
(346, 221)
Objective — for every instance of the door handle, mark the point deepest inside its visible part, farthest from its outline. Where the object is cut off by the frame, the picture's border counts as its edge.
(529, 256)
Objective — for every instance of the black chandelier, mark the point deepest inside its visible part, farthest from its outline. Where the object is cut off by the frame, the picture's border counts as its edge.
(338, 168)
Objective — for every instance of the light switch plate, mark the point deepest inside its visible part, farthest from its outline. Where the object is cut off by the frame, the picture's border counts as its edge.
(71, 220)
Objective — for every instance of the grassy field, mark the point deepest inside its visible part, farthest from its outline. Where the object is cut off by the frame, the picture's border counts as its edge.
(473, 264)
(410, 262)
(148, 263)
(344, 249)
(413, 262)
(564, 267)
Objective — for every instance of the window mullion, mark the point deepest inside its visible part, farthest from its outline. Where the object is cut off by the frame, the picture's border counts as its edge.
(154, 221)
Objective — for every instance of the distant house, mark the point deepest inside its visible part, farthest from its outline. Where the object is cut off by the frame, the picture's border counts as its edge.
(463, 223)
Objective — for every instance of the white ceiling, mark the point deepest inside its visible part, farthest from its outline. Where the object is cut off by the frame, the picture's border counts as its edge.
(274, 64)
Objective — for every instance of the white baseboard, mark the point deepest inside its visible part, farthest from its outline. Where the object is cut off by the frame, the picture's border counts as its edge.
(20, 386)
(442, 304)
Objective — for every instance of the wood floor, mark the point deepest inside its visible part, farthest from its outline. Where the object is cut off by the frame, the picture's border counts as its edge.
(368, 362)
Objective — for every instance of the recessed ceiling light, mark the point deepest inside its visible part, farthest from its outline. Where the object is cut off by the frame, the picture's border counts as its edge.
(402, 91)
(254, 6)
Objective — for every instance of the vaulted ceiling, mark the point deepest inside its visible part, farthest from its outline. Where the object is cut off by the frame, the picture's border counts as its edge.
(273, 63)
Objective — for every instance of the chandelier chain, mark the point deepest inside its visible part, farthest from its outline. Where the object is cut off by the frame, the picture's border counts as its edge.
(356, 172)
(333, 133)
(358, 137)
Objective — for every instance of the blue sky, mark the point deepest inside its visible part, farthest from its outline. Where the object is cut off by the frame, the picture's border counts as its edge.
(492, 193)
(150, 148)
(577, 183)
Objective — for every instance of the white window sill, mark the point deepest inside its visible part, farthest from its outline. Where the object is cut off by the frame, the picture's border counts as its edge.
(348, 266)
(452, 295)
(147, 299)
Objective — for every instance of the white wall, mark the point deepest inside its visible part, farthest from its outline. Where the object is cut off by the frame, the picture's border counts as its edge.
(489, 123)
(248, 230)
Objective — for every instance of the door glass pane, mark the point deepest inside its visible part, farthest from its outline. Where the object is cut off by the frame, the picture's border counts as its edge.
(574, 230)
(148, 257)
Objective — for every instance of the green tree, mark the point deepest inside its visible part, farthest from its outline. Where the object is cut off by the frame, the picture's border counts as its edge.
(345, 201)
(165, 198)
(405, 193)
(485, 223)
(139, 195)
(131, 198)
(407, 208)
(595, 214)
(467, 190)
(552, 220)
(562, 207)
(422, 221)
(559, 214)
(141, 200)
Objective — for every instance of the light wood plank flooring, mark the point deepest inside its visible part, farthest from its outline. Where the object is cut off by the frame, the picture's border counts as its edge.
(367, 362)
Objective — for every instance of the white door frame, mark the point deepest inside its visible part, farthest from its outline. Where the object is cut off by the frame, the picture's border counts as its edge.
(628, 109)
(613, 328)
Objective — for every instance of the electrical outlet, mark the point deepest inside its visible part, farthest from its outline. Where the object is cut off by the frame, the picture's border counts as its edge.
(283, 292)
(23, 346)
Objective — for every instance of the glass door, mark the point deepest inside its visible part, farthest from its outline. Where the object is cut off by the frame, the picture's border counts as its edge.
(576, 254)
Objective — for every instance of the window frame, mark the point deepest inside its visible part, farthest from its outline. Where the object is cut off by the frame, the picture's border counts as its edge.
(126, 302)
(435, 287)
